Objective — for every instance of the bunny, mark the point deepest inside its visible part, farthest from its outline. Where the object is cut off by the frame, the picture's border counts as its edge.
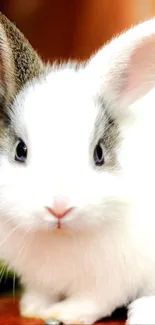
(77, 157)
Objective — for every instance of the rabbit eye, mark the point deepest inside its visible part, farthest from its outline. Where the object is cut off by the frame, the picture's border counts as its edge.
(21, 152)
(99, 155)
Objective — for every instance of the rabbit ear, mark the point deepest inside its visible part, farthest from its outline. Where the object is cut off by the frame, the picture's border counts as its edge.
(19, 62)
(7, 78)
(125, 67)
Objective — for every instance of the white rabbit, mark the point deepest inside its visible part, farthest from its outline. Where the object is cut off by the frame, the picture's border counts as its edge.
(77, 185)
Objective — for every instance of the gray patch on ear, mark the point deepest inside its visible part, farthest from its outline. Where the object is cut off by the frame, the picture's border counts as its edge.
(106, 130)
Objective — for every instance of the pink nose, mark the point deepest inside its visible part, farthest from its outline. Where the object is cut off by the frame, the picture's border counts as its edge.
(60, 207)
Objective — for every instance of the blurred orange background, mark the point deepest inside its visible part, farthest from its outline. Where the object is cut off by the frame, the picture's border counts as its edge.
(62, 29)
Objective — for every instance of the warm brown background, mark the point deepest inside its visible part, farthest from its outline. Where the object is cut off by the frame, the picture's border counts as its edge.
(74, 28)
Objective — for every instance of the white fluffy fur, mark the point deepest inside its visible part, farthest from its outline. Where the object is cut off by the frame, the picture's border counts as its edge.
(104, 256)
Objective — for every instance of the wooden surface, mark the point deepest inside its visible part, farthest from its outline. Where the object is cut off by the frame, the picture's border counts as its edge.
(9, 315)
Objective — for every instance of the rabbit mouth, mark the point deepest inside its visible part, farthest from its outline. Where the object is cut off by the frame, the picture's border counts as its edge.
(59, 226)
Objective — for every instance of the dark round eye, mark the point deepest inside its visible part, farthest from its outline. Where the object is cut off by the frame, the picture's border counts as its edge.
(21, 151)
(99, 155)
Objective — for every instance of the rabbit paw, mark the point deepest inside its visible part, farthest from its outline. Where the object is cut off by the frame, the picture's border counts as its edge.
(33, 305)
(142, 311)
(73, 312)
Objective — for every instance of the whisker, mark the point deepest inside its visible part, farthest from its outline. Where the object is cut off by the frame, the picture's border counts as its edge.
(17, 258)
(9, 235)
(7, 221)
(22, 246)
(2, 272)
(13, 285)
(6, 274)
